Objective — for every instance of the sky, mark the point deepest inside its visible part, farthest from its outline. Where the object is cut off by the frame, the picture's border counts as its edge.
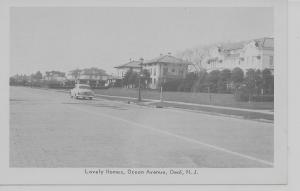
(66, 38)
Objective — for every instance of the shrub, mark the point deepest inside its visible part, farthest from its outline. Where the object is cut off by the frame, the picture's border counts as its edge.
(263, 98)
(172, 85)
(241, 94)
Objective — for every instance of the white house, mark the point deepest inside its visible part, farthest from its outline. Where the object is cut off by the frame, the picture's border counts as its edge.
(131, 65)
(165, 68)
(253, 54)
(258, 54)
(93, 76)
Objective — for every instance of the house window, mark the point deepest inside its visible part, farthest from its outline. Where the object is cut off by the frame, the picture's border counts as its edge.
(154, 71)
(165, 71)
(173, 70)
(154, 81)
(271, 60)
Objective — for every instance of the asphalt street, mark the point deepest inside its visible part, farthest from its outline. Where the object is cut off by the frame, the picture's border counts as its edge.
(49, 129)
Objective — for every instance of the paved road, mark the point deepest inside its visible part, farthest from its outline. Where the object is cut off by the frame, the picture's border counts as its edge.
(48, 129)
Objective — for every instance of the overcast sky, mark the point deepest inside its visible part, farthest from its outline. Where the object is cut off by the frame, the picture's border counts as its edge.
(69, 38)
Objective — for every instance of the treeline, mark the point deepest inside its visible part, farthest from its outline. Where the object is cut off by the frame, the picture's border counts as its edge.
(255, 85)
(54, 79)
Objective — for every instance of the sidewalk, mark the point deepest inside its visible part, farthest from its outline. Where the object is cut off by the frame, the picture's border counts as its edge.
(194, 104)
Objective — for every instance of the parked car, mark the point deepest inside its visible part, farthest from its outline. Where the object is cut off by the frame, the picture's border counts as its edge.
(82, 91)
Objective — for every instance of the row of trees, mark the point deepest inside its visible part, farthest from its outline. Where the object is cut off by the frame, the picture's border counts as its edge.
(227, 81)
(22, 79)
(252, 85)
(245, 86)
(53, 78)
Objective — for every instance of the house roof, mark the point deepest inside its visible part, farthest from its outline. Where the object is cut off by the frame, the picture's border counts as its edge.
(232, 46)
(166, 59)
(93, 71)
(265, 42)
(235, 55)
(131, 64)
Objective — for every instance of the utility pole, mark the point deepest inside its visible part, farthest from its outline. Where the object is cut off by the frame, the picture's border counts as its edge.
(140, 76)
(209, 94)
(140, 97)
(161, 90)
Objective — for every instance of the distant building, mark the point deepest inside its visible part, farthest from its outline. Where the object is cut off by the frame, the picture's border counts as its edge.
(258, 54)
(131, 65)
(55, 76)
(92, 76)
(253, 54)
(113, 81)
(165, 68)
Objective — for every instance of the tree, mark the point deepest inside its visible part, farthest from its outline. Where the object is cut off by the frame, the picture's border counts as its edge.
(134, 79)
(75, 73)
(12, 81)
(195, 55)
(35, 79)
(200, 83)
(146, 79)
(225, 75)
(237, 76)
(187, 84)
(130, 79)
(250, 83)
(38, 75)
(212, 80)
(126, 78)
(268, 82)
(258, 81)
(224, 80)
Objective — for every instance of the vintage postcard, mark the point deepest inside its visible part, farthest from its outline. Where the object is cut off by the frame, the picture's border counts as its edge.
(151, 92)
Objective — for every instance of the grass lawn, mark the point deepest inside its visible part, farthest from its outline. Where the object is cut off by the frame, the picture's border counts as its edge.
(243, 114)
(188, 97)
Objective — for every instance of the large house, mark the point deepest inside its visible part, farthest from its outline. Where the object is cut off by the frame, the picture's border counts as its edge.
(165, 68)
(92, 76)
(131, 65)
(161, 69)
(54, 76)
(253, 54)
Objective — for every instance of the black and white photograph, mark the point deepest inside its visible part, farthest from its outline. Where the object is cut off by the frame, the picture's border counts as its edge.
(165, 91)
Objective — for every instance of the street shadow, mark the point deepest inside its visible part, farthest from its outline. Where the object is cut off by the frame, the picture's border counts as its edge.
(17, 100)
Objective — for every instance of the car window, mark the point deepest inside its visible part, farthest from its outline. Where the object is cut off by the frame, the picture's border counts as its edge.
(84, 87)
